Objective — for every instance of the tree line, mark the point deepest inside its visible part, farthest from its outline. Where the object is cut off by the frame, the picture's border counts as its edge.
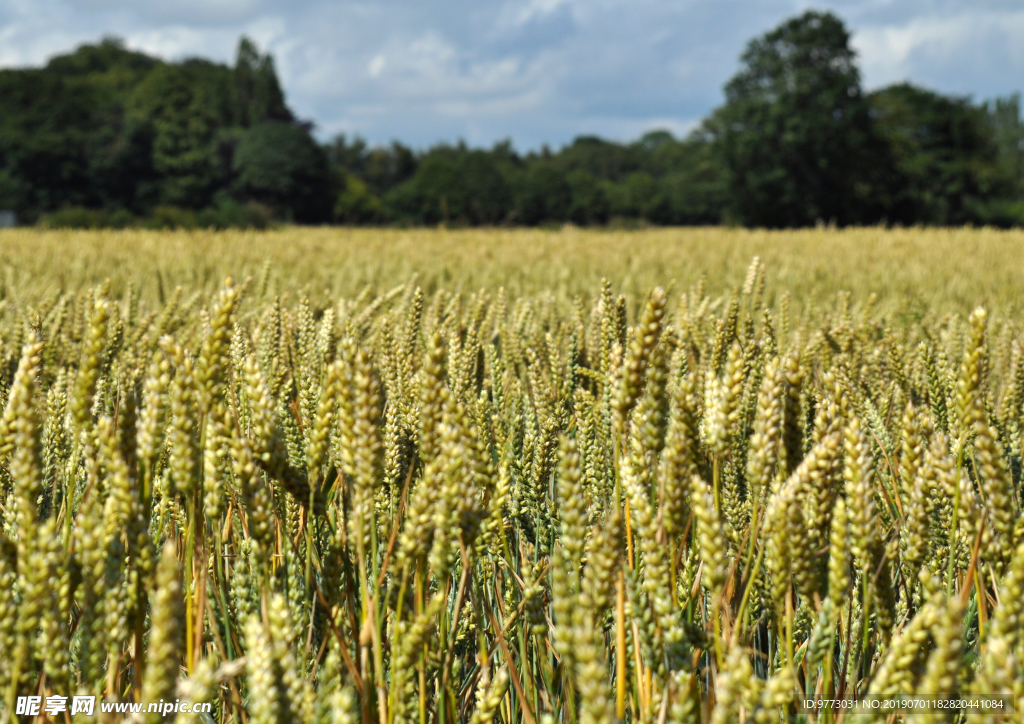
(105, 136)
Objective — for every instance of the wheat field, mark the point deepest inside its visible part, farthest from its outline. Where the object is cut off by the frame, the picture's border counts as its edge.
(924, 270)
(528, 477)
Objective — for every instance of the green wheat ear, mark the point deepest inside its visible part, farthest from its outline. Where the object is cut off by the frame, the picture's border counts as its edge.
(505, 500)
(166, 634)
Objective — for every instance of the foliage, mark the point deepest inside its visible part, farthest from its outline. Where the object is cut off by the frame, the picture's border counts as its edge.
(795, 133)
(543, 194)
(279, 164)
(796, 143)
(356, 204)
(228, 213)
(945, 154)
(110, 129)
(381, 168)
(453, 185)
(257, 93)
(79, 217)
(180, 110)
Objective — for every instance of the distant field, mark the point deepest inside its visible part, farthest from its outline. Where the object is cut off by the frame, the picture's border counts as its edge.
(932, 270)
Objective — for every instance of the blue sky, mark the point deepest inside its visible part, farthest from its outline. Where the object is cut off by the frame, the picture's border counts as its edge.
(535, 71)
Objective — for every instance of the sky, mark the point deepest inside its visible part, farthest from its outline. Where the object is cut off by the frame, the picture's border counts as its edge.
(533, 71)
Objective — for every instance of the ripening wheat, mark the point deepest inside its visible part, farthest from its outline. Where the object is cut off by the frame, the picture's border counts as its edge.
(433, 507)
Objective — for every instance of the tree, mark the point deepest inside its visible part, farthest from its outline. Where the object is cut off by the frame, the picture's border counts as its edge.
(693, 181)
(117, 145)
(108, 129)
(280, 164)
(380, 168)
(598, 158)
(945, 155)
(42, 154)
(542, 194)
(589, 201)
(182, 109)
(104, 133)
(257, 93)
(107, 62)
(355, 204)
(1004, 117)
(454, 185)
(795, 132)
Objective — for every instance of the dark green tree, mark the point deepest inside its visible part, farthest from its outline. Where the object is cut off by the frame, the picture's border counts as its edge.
(257, 93)
(64, 138)
(454, 185)
(107, 63)
(945, 153)
(542, 195)
(183, 110)
(639, 196)
(589, 204)
(381, 168)
(693, 180)
(356, 204)
(45, 123)
(795, 133)
(280, 164)
(107, 136)
(1004, 117)
(115, 132)
(599, 158)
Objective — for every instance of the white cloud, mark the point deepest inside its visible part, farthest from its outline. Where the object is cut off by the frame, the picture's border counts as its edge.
(517, 14)
(178, 41)
(978, 51)
(377, 65)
